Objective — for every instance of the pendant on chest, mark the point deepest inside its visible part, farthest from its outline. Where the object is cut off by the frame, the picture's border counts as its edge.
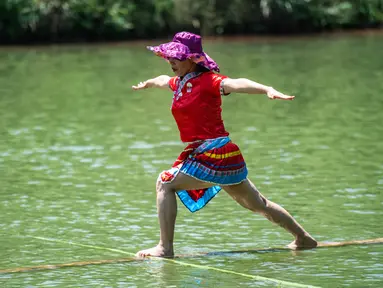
(189, 87)
(180, 84)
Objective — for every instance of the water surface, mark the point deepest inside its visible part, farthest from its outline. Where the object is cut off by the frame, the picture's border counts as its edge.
(80, 154)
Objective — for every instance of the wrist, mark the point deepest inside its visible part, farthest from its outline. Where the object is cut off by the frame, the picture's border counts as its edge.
(268, 89)
(150, 83)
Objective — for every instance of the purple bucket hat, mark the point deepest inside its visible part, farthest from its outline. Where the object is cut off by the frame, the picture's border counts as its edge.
(185, 45)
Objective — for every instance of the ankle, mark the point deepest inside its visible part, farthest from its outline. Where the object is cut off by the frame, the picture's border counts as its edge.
(166, 246)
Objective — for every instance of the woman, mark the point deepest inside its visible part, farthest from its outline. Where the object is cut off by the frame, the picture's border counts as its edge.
(210, 161)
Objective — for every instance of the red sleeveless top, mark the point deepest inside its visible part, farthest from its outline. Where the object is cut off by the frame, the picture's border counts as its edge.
(197, 104)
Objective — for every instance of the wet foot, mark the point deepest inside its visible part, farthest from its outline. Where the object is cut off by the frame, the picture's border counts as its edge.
(305, 242)
(158, 251)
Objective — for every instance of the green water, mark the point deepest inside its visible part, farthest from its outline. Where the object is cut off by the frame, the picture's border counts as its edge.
(80, 154)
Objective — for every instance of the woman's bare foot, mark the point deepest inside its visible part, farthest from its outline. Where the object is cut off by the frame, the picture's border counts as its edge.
(158, 251)
(304, 242)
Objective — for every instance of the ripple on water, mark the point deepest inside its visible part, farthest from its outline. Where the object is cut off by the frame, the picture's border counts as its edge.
(354, 190)
(165, 128)
(116, 147)
(6, 153)
(149, 168)
(112, 193)
(323, 147)
(40, 168)
(51, 218)
(15, 223)
(267, 182)
(141, 145)
(103, 203)
(355, 205)
(249, 141)
(98, 162)
(134, 158)
(115, 166)
(50, 283)
(76, 148)
(169, 143)
(79, 230)
(146, 145)
(67, 184)
(33, 182)
(251, 128)
(354, 196)
(362, 212)
(64, 176)
(288, 177)
(16, 132)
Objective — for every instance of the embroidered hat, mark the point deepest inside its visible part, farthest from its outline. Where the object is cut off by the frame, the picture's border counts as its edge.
(185, 45)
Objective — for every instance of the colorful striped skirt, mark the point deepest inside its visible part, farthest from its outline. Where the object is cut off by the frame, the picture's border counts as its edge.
(218, 161)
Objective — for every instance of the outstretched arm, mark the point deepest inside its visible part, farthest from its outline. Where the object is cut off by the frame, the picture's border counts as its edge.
(158, 82)
(243, 85)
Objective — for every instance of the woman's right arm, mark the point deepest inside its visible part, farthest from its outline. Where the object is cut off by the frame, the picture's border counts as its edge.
(158, 82)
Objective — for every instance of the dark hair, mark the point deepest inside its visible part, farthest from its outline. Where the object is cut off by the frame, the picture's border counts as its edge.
(201, 68)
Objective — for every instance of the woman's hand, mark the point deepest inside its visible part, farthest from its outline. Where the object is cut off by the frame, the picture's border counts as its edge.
(158, 82)
(244, 85)
(141, 85)
(274, 94)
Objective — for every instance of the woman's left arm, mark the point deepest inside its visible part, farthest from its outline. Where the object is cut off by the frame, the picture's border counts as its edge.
(243, 85)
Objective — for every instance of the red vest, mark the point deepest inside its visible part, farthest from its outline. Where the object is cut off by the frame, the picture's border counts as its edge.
(196, 106)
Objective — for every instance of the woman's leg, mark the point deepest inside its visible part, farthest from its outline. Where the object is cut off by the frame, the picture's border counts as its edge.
(167, 212)
(247, 195)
